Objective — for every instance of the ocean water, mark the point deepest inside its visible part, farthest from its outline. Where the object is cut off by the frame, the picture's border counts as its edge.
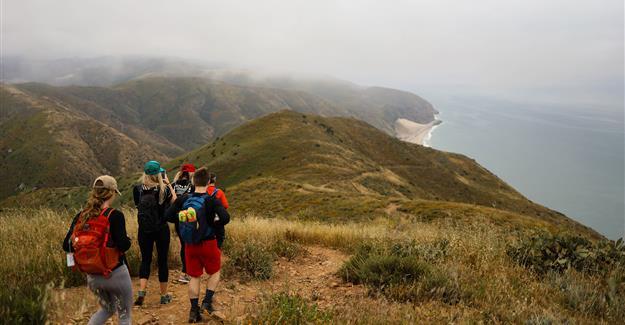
(569, 159)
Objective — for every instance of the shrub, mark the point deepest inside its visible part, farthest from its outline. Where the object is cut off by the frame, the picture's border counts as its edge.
(284, 308)
(432, 252)
(249, 260)
(539, 320)
(24, 305)
(33, 262)
(402, 271)
(287, 249)
(545, 253)
(591, 295)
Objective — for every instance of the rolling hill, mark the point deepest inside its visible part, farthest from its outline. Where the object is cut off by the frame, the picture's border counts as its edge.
(46, 144)
(328, 168)
(378, 106)
(83, 131)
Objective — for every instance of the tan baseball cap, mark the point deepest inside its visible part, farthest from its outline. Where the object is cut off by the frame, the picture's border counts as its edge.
(108, 182)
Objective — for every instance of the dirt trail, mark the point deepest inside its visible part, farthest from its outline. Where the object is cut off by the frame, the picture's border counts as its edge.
(311, 276)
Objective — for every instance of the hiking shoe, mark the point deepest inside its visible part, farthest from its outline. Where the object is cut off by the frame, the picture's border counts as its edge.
(194, 315)
(208, 307)
(139, 301)
(184, 279)
(165, 299)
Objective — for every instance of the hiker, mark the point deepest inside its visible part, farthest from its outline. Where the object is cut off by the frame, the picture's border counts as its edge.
(197, 214)
(213, 191)
(152, 197)
(109, 280)
(183, 185)
(182, 181)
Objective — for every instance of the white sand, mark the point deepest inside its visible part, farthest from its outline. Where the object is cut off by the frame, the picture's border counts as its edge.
(409, 131)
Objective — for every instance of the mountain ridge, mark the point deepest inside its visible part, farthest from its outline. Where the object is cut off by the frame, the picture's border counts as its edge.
(357, 169)
(337, 169)
(157, 117)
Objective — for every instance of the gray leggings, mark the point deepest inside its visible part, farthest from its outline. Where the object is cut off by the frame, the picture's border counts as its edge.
(114, 295)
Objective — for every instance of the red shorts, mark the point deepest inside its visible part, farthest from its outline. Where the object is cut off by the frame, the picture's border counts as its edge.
(203, 256)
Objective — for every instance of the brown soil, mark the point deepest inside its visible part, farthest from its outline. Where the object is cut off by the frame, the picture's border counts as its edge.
(311, 276)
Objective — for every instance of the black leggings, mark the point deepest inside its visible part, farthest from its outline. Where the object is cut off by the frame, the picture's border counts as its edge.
(146, 245)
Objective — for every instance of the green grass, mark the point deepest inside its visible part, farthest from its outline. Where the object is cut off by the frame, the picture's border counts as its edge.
(253, 259)
(286, 308)
(403, 271)
(249, 260)
(545, 253)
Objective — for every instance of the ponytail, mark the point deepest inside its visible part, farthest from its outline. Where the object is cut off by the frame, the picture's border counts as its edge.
(93, 207)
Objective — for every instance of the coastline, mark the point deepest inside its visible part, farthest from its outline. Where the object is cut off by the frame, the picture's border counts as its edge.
(413, 132)
(428, 137)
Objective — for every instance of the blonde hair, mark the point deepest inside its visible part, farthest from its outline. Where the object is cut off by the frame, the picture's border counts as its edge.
(151, 181)
(93, 207)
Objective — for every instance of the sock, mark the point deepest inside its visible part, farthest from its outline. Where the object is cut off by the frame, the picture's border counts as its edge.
(194, 303)
(141, 293)
(208, 297)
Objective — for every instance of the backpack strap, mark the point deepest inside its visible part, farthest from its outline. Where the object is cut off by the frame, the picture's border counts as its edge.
(214, 194)
(107, 212)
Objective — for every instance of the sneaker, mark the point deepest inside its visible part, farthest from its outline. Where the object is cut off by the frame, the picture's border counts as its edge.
(184, 279)
(140, 298)
(208, 307)
(194, 315)
(165, 299)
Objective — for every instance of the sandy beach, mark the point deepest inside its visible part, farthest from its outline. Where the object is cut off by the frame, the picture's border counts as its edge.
(409, 131)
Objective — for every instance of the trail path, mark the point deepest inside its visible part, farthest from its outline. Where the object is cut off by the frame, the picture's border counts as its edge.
(311, 276)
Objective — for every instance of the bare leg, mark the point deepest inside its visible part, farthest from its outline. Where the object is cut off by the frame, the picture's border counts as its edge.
(163, 288)
(194, 288)
(213, 281)
(143, 284)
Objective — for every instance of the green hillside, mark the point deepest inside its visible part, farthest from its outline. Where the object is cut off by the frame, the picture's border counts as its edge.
(73, 133)
(334, 169)
(43, 143)
(189, 111)
(289, 163)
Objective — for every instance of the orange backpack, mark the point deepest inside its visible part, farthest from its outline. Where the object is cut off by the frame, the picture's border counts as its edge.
(89, 242)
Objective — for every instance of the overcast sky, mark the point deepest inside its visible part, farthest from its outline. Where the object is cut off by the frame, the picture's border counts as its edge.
(494, 45)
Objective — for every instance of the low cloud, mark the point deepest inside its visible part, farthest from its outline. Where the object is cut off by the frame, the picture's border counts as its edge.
(482, 45)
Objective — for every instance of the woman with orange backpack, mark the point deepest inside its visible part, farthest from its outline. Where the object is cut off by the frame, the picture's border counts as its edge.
(95, 245)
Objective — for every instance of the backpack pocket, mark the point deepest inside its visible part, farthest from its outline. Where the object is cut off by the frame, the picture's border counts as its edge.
(189, 226)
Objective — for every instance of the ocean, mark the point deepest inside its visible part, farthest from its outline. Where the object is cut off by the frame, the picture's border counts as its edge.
(568, 159)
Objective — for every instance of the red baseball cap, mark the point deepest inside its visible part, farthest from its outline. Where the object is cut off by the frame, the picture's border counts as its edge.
(188, 168)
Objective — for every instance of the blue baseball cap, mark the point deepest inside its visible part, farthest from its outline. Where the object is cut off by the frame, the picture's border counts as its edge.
(153, 167)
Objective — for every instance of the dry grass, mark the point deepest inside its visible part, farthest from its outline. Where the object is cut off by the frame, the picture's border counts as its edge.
(491, 286)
